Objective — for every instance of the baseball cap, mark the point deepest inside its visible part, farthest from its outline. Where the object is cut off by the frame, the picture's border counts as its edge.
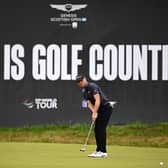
(79, 78)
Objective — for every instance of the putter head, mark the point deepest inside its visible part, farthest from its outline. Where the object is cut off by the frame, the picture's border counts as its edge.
(82, 149)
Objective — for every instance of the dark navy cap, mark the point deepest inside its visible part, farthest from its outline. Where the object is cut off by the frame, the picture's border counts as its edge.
(79, 78)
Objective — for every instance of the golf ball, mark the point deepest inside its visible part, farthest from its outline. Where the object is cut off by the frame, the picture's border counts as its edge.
(161, 163)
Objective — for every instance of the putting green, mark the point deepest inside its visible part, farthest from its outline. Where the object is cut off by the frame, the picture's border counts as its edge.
(47, 155)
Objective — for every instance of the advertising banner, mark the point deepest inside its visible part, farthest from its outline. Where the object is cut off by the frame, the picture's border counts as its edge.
(120, 45)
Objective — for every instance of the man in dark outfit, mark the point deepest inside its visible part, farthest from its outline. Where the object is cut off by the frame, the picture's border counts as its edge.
(101, 110)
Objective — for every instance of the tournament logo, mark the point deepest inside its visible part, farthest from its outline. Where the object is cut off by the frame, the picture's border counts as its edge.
(46, 103)
(28, 103)
(68, 7)
(69, 17)
(41, 103)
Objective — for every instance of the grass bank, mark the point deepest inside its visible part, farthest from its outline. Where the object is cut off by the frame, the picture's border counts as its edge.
(135, 134)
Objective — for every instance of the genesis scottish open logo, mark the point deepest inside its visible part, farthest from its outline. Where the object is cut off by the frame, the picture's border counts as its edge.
(68, 7)
(68, 17)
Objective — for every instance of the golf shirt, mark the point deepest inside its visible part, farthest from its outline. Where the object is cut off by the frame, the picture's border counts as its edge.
(92, 89)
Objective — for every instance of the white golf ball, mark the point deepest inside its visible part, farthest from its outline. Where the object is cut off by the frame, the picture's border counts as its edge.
(161, 163)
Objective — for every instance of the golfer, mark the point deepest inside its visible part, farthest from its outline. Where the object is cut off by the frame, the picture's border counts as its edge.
(101, 110)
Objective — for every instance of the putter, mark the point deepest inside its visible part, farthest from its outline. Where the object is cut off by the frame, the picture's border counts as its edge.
(86, 141)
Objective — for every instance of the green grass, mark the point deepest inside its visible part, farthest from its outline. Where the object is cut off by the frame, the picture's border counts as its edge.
(50, 155)
(135, 134)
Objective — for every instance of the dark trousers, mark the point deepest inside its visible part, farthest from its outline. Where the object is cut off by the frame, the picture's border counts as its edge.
(101, 123)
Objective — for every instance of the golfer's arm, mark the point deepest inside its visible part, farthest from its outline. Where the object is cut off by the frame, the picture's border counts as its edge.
(95, 107)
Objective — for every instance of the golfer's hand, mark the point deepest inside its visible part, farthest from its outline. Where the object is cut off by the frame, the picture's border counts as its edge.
(94, 116)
